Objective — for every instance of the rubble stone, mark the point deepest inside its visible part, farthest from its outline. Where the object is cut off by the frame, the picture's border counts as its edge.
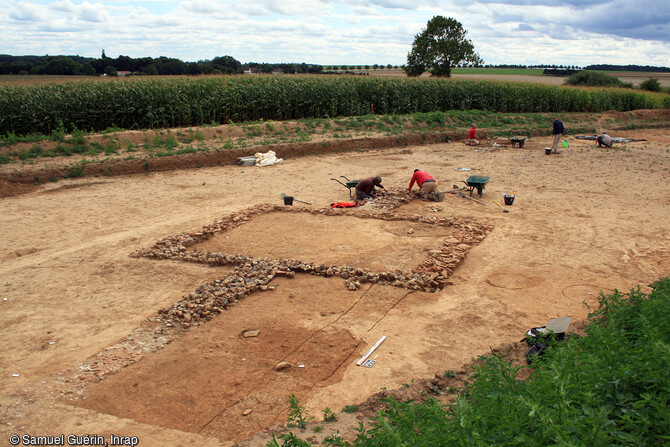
(252, 275)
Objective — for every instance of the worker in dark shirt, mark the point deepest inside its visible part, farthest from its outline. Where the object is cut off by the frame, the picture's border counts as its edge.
(365, 189)
(426, 183)
(557, 132)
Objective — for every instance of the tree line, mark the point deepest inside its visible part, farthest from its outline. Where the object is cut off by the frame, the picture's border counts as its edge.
(641, 68)
(78, 65)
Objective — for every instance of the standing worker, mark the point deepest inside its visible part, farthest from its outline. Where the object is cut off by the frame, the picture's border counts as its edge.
(426, 183)
(557, 132)
(365, 189)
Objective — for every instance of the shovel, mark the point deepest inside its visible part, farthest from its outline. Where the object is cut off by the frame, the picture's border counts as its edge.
(460, 194)
(505, 210)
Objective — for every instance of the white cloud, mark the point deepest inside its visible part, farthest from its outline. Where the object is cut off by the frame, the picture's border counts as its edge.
(339, 31)
(92, 13)
(365, 11)
(203, 6)
(395, 4)
(63, 6)
(29, 12)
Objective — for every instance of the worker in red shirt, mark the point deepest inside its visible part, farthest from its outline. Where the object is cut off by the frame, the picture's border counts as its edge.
(427, 185)
(472, 136)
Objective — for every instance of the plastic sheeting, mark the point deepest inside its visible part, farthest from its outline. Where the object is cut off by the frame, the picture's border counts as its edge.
(267, 159)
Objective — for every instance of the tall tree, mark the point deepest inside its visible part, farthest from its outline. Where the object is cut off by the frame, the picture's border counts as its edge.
(440, 47)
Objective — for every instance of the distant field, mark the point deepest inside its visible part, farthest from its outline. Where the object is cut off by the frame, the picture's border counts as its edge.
(523, 75)
(47, 79)
(499, 71)
(491, 74)
(636, 77)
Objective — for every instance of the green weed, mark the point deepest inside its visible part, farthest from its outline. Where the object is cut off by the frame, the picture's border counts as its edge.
(350, 409)
(76, 170)
(297, 415)
(329, 415)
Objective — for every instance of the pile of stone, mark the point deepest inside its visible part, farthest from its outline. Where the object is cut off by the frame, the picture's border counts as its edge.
(254, 275)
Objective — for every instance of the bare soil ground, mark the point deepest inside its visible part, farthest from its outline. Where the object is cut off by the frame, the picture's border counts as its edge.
(96, 341)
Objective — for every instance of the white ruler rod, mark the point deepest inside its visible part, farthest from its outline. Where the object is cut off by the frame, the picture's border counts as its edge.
(372, 349)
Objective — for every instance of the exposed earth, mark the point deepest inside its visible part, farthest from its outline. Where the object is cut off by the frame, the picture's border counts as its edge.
(183, 306)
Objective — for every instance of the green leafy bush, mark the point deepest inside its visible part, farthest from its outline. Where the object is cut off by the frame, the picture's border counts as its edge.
(595, 79)
(651, 85)
(610, 387)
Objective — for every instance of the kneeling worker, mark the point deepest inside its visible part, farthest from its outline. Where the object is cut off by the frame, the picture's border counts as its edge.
(365, 189)
(472, 136)
(426, 183)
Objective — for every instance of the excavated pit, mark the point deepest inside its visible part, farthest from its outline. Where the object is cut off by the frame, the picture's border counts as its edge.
(367, 243)
(325, 277)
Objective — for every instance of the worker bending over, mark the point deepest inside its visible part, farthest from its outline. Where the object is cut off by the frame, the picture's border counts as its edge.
(365, 189)
(604, 140)
(426, 183)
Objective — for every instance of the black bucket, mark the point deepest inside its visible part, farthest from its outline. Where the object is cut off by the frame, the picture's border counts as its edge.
(547, 150)
(288, 200)
(509, 200)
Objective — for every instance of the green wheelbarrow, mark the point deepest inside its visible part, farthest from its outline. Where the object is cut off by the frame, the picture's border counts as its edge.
(348, 184)
(476, 182)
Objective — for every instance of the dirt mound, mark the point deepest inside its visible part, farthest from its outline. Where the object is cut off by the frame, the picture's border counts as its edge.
(9, 189)
(651, 114)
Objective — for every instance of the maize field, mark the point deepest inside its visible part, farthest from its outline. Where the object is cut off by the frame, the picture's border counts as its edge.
(183, 102)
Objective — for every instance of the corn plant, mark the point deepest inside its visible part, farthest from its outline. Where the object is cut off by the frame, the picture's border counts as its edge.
(55, 108)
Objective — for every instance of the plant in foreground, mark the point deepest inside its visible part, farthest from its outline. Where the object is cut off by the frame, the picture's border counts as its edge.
(328, 415)
(297, 414)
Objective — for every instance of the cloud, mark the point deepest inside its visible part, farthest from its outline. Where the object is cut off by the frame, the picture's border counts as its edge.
(62, 6)
(252, 9)
(395, 4)
(576, 3)
(202, 6)
(524, 27)
(28, 13)
(506, 17)
(339, 31)
(642, 19)
(296, 8)
(365, 11)
(636, 20)
(92, 13)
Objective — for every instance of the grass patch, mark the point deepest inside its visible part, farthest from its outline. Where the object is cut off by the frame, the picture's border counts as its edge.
(350, 409)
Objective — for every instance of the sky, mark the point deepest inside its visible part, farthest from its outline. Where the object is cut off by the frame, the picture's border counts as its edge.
(342, 32)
